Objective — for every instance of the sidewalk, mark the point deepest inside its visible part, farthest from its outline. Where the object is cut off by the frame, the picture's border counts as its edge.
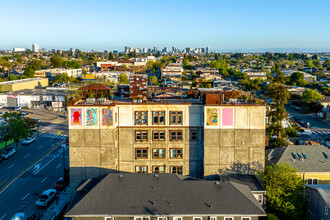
(57, 206)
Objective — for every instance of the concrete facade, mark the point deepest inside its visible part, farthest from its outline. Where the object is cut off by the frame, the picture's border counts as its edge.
(23, 84)
(104, 139)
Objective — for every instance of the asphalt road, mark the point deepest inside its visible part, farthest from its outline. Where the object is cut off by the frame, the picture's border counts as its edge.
(32, 170)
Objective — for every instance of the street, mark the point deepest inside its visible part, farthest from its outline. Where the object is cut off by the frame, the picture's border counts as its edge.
(35, 169)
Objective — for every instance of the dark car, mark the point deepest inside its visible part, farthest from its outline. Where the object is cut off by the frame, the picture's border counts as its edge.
(60, 184)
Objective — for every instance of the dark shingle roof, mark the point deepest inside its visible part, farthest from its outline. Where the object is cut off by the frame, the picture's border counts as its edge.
(167, 194)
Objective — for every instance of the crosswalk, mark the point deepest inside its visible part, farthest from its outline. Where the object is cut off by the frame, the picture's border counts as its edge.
(321, 132)
(55, 136)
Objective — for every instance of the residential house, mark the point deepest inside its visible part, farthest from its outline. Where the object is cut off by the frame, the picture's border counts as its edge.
(318, 202)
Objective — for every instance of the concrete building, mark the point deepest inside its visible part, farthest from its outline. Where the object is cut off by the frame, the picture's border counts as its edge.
(35, 48)
(172, 69)
(177, 136)
(51, 73)
(16, 49)
(16, 85)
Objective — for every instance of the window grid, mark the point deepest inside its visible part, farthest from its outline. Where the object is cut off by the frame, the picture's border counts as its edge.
(141, 135)
(193, 135)
(141, 153)
(158, 169)
(158, 117)
(175, 118)
(176, 169)
(175, 135)
(176, 153)
(141, 118)
(158, 153)
(158, 136)
(141, 169)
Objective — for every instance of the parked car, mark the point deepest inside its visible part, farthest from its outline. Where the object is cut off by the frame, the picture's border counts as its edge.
(18, 216)
(46, 197)
(60, 184)
(8, 153)
(17, 108)
(28, 140)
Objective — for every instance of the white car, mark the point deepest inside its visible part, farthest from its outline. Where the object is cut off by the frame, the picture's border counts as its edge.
(8, 153)
(28, 140)
(46, 197)
(18, 216)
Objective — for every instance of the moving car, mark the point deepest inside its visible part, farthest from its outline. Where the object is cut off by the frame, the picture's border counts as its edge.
(60, 184)
(18, 216)
(8, 153)
(46, 197)
(28, 140)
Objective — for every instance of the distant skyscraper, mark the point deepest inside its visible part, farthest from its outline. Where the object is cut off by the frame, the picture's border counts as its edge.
(165, 50)
(207, 50)
(16, 49)
(149, 50)
(155, 49)
(173, 49)
(35, 48)
(145, 50)
(203, 50)
(189, 50)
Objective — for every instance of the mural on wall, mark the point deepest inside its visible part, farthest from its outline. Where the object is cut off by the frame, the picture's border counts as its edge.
(212, 116)
(91, 116)
(227, 117)
(76, 118)
(107, 117)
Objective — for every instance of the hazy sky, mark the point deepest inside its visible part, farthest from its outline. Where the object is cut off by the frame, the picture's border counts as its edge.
(221, 25)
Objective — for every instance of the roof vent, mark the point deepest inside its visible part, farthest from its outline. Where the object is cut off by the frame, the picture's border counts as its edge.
(217, 183)
(208, 205)
(156, 175)
(120, 176)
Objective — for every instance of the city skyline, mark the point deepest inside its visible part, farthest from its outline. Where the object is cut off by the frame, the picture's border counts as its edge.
(244, 26)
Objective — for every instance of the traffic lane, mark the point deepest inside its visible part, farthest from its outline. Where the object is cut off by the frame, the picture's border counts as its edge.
(27, 188)
(315, 123)
(25, 157)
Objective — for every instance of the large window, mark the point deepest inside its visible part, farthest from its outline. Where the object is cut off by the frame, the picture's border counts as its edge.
(141, 153)
(176, 118)
(158, 135)
(175, 135)
(228, 218)
(141, 218)
(310, 215)
(141, 118)
(158, 169)
(176, 169)
(158, 153)
(193, 135)
(246, 218)
(141, 135)
(158, 118)
(176, 153)
(141, 169)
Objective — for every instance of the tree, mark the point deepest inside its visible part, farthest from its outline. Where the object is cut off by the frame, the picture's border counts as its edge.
(153, 80)
(309, 63)
(123, 78)
(110, 56)
(298, 79)
(17, 127)
(56, 61)
(185, 62)
(311, 95)
(215, 64)
(284, 191)
(29, 72)
(315, 107)
(279, 94)
(12, 77)
(326, 64)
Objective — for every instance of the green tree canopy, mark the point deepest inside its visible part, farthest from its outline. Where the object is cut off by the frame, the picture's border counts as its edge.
(284, 191)
(123, 78)
(215, 64)
(311, 95)
(56, 61)
(185, 62)
(309, 63)
(298, 79)
(326, 64)
(110, 56)
(153, 80)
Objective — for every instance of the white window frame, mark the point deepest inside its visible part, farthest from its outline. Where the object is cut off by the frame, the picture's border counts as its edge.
(326, 210)
(160, 218)
(136, 218)
(197, 218)
(177, 218)
(246, 218)
(213, 218)
(313, 180)
(228, 218)
(308, 192)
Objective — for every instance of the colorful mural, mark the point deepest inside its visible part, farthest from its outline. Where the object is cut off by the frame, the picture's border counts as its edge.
(76, 118)
(107, 117)
(227, 117)
(91, 116)
(212, 116)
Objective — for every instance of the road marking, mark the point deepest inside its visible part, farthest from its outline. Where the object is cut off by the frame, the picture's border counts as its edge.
(58, 166)
(3, 216)
(25, 196)
(40, 146)
(53, 158)
(27, 156)
(43, 179)
(10, 167)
